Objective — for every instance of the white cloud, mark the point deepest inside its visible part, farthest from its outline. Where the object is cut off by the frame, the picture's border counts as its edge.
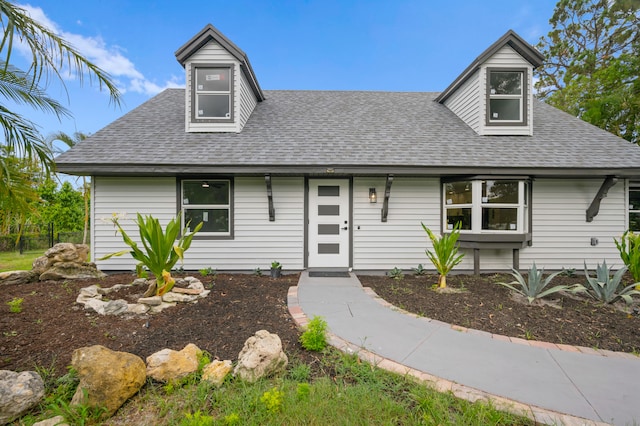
(111, 59)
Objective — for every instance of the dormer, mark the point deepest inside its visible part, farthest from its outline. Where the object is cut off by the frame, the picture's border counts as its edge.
(222, 90)
(494, 95)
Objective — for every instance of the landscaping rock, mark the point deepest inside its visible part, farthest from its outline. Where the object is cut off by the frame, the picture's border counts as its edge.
(167, 364)
(107, 378)
(53, 421)
(66, 261)
(261, 356)
(176, 297)
(151, 301)
(17, 277)
(137, 308)
(19, 392)
(216, 371)
(87, 293)
(161, 307)
(96, 305)
(115, 307)
(65, 271)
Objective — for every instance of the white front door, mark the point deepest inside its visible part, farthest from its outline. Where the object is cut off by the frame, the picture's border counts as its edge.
(329, 241)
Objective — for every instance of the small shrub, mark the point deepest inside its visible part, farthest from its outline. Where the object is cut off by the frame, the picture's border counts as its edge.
(272, 399)
(15, 305)
(445, 252)
(629, 248)
(420, 270)
(535, 287)
(568, 272)
(300, 372)
(208, 272)
(197, 419)
(314, 337)
(257, 272)
(302, 391)
(604, 287)
(396, 274)
(276, 265)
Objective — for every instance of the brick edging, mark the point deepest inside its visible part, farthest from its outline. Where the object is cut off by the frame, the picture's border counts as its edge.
(537, 414)
(518, 340)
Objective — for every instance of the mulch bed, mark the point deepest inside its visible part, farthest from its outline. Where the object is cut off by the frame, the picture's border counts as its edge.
(52, 325)
(486, 306)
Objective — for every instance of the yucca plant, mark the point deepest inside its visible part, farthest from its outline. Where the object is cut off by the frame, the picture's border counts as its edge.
(161, 251)
(607, 288)
(629, 248)
(535, 287)
(445, 252)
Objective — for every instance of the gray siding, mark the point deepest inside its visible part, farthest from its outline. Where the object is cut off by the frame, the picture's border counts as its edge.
(400, 241)
(247, 102)
(465, 102)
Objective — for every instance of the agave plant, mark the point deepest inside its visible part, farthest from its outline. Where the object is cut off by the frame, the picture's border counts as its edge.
(607, 288)
(445, 255)
(536, 287)
(161, 252)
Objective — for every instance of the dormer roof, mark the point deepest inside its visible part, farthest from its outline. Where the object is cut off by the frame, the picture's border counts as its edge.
(211, 33)
(510, 38)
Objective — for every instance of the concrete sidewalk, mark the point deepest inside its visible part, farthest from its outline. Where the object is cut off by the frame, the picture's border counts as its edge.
(553, 384)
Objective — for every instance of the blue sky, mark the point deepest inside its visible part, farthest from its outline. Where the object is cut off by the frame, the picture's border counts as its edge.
(396, 45)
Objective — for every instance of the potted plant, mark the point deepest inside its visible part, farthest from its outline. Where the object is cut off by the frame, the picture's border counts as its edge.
(276, 269)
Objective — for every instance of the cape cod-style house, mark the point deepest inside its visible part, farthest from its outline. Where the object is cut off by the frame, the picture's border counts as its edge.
(344, 179)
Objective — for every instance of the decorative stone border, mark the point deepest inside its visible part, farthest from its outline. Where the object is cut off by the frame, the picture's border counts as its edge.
(537, 414)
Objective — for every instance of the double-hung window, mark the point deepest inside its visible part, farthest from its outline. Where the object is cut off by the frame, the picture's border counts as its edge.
(634, 206)
(486, 206)
(506, 96)
(209, 202)
(212, 93)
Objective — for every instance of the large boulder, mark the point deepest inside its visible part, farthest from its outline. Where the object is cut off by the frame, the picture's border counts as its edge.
(107, 378)
(167, 364)
(66, 261)
(17, 277)
(19, 392)
(261, 356)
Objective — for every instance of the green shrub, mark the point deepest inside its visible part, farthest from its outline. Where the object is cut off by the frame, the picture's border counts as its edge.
(15, 305)
(314, 337)
(629, 248)
(535, 287)
(272, 399)
(420, 270)
(607, 288)
(396, 274)
(445, 255)
(161, 251)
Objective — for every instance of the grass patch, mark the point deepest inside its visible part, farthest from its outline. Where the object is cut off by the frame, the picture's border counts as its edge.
(353, 393)
(14, 261)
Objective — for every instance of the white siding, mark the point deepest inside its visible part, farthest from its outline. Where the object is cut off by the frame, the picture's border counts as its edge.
(154, 196)
(401, 241)
(213, 53)
(247, 102)
(256, 243)
(465, 102)
(561, 234)
(505, 58)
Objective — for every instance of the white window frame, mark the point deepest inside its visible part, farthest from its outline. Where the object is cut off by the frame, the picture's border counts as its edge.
(196, 92)
(522, 97)
(633, 187)
(188, 206)
(477, 205)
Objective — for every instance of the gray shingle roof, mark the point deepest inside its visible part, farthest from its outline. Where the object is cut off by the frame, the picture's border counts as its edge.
(352, 132)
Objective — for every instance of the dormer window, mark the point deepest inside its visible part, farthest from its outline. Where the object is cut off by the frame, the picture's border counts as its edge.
(212, 90)
(506, 97)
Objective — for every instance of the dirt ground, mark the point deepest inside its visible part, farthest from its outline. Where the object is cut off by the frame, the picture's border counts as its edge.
(51, 324)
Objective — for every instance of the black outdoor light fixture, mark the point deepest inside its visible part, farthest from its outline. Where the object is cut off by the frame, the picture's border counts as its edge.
(205, 184)
(373, 198)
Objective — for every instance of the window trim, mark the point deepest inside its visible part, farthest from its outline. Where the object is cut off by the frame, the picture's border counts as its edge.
(476, 233)
(194, 93)
(524, 97)
(180, 206)
(633, 186)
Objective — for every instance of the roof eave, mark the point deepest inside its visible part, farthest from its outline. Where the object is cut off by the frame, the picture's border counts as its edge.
(510, 38)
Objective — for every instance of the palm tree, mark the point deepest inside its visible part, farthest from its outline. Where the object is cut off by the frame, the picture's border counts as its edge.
(49, 54)
(72, 141)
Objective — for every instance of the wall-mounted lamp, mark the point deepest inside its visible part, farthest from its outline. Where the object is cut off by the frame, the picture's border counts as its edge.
(205, 184)
(373, 198)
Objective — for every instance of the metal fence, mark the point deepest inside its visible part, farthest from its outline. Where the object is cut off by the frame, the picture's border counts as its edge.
(38, 241)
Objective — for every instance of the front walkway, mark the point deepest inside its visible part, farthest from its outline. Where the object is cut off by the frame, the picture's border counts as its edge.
(549, 384)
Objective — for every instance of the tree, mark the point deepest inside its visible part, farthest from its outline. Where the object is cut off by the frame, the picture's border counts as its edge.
(61, 206)
(17, 203)
(592, 63)
(72, 141)
(49, 55)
